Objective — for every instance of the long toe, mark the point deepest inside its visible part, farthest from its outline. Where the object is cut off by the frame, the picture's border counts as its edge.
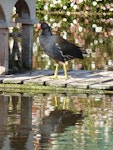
(54, 77)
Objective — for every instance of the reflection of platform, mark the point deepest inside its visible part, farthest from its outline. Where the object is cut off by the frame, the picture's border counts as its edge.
(40, 79)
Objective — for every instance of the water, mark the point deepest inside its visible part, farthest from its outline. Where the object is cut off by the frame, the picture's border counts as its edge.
(56, 122)
(93, 33)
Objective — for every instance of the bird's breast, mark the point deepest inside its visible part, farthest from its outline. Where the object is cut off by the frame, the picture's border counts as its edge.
(51, 48)
(47, 45)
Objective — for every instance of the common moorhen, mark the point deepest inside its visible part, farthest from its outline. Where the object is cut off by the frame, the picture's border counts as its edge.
(57, 48)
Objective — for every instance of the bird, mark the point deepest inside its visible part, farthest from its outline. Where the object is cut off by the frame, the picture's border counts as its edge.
(57, 48)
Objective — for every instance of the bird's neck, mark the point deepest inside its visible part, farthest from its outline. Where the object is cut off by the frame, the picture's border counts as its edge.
(46, 32)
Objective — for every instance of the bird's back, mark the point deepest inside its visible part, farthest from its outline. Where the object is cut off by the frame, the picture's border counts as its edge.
(59, 48)
(69, 50)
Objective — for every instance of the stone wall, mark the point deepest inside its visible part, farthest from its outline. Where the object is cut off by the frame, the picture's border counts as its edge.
(25, 10)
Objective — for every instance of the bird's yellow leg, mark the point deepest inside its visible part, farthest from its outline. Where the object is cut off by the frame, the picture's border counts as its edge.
(56, 72)
(56, 102)
(65, 71)
(64, 103)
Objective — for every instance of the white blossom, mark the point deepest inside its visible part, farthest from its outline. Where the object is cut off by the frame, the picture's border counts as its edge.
(93, 65)
(76, 41)
(80, 1)
(68, 13)
(111, 9)
(64, 19)
(103, 8)
(35, 47)
(72, 4)
(95, 42)
(52, 20)
(98, 29)
(94, 25)
(59, 24)
(94, 3)
(52, 5)
(91, 44)
(46, 7)
(72, 24)
(64, 34)
(100, 40)
(56, 2)
(75, 7)
(18, 25)
(110, 62)
(75, 21)
(10, 29)
(37, 39)
(65, 7)
(80, 29)
(54, 25)
(46, 17)
(111, 32)
(14, 10)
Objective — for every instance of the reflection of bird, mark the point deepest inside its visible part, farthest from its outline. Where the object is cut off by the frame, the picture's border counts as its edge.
(57, 121)
(58, 48)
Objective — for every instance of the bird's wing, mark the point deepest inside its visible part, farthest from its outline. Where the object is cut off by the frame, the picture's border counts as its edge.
(67, 49)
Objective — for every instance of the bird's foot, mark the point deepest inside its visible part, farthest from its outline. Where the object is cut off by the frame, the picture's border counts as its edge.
(54, 77)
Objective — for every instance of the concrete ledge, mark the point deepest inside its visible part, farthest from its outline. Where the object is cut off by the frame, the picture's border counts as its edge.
(27, 21)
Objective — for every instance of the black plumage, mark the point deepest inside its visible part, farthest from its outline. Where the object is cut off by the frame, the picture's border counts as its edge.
(58, 48)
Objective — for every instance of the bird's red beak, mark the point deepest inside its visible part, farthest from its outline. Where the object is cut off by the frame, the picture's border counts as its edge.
(39, 26)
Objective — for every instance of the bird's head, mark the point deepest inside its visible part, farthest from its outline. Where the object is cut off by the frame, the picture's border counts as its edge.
(43, 26)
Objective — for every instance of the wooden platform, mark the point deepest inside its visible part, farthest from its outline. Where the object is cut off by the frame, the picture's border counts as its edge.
(79, 79)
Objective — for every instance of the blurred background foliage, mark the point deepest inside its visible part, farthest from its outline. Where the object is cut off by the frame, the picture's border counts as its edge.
(75, 5)
(87, 23)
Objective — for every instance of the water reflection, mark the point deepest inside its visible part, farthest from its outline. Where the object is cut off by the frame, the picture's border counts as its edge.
(25, 122)
(16, 123)
(57, 122)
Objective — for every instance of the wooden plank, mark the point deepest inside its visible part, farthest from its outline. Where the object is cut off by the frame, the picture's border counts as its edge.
(43, 79)
(77, 78)
(87, 83)
(38, 81)
(59, 82)
(47, 80)
(16, 78)
(73, 76)
(20, 78)
(81, 85)
(105, 73)
(103, 86)
(88, 80)
(97, 79)
(2, 77)
(79, 73)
